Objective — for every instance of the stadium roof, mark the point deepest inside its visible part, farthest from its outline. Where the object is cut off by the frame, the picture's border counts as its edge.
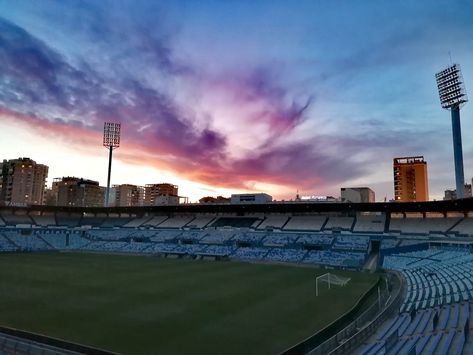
(462, 205)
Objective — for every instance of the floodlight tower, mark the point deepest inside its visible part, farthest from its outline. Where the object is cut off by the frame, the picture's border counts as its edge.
(453, 96)
(111, 140)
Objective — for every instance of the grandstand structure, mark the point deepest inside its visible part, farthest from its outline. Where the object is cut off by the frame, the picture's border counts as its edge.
(427, 244)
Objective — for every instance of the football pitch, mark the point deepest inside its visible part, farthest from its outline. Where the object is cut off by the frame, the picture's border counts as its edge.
(150, 305)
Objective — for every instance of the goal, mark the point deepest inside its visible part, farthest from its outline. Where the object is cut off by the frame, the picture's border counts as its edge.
(330, 279)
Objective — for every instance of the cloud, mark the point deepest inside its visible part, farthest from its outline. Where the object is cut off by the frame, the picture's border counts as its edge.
(48, 85)
(72, 100)
(132, 75)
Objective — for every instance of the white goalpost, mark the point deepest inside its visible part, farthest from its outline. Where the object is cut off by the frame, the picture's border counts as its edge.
(331, 279)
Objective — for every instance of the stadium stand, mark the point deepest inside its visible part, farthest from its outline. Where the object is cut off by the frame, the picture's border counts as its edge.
(273, 221)
(250, 253)
(438, 281)
(12, 219)
(45, 220)
(176, 222)
(409, 242)
(343, 223)
(235, 222)
(63, 239)
(324, 240)
(253, 238)
(352, 243)
(388, 243)
(155, 221)
(218, 236)
(10, 344)
(434, 277)
(418, 332)
(68, 220)
(136, 247)
(277, 247)
(109, 234)
(116, 246)
(333, 258)
(27, 242)
(190, 249)
(217, 250)
(306, 223)
(369, 224)
(436, 310)
(101, 246)
(112, 222)
(422, 226)
(143, 234)
(464, 227)
(161, 248)
(92, 221)
(6, 244)
(137, 222)
(285, 255)
(191, 236)
(200, 222)
(166, 235)
(280, 239)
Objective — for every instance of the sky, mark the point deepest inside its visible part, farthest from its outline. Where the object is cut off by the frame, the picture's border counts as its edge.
(222, 97)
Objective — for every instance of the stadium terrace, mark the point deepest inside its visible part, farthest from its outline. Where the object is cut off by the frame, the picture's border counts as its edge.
(421, 252)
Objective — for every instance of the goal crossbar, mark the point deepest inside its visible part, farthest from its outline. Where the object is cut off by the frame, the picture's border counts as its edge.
(331, 279)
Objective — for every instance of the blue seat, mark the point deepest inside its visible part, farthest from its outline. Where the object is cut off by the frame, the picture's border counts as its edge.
(433, 344)
(446, 346)
(424, 339)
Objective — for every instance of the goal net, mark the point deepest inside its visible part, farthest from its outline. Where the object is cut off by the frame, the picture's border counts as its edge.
(330, 279)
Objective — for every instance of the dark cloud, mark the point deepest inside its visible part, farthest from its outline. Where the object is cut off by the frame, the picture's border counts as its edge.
(34, 74)
(279, 109)
(301, 164)
(46, 81)
(43, 77)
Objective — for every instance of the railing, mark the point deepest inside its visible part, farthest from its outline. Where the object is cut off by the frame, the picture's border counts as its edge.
(368, 329)
(20, 339)
(350, 337)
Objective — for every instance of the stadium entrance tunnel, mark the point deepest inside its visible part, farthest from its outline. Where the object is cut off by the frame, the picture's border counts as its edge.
(375, 246)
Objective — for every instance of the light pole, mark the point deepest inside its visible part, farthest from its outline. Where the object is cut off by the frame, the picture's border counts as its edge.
(111, 140)
(452, 96)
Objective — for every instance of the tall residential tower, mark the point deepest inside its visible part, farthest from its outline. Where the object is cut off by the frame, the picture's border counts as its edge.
(410, 179)
(22, 182)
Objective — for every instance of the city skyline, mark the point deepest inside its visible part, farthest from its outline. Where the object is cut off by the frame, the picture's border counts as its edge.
(221, 98)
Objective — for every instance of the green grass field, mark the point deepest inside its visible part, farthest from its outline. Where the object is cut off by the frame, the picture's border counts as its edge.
(147, 305)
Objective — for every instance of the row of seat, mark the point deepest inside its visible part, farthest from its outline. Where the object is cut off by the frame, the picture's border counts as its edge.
(434, 277)
(360, 224)
(439, 330)
(40, 240)
(436, 309)
(355, 243)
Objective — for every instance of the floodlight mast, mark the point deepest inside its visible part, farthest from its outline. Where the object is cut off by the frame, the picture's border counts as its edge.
(453, 96)
(111, 140)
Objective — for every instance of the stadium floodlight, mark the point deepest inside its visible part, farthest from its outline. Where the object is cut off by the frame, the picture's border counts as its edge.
(451, 87)
(111, 140)
(452, 95)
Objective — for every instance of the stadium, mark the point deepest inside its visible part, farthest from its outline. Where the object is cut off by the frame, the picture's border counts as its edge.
(290, 278)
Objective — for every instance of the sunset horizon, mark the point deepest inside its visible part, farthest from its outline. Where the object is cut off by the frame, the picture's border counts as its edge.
(223, 98)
